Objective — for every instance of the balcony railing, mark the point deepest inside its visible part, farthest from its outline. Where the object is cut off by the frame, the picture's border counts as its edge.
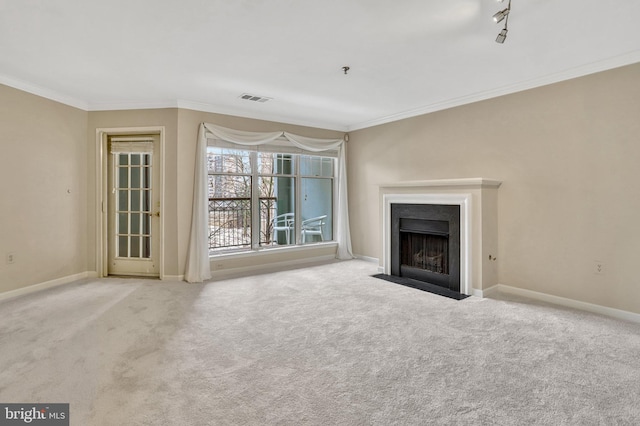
(230, 222)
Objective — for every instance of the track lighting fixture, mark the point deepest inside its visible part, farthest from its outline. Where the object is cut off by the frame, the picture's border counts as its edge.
(498, 17)
(501, 15)
(501, 36)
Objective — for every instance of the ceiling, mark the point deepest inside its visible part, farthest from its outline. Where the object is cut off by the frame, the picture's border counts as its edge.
(406, 57)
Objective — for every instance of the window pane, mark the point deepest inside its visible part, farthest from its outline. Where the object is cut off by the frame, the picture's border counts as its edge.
(311, 165)
(270, 163)
(317, 210)
(229, 212)
(327, 167)
(224, 160)
(135, 159)
(124, 159)
(229, 186)
(277, 207)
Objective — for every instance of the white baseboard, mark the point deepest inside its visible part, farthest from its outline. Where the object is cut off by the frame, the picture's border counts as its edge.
(223, 274)
(367, 258)
(47, 284)
(563, 301)
(172, 278)
(486, 292)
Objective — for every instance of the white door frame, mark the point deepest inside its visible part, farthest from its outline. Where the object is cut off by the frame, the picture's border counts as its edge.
(101, 210)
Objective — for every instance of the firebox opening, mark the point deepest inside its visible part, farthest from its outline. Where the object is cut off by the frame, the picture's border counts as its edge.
(425, 243)
(425, 251)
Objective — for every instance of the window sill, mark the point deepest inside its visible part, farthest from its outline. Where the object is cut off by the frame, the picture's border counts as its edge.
(271, 250)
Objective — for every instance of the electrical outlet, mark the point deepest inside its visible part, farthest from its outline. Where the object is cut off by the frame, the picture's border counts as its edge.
(11, 258)
(598, 267)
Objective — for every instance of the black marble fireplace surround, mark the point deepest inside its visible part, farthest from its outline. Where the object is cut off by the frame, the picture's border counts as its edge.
(425, 244)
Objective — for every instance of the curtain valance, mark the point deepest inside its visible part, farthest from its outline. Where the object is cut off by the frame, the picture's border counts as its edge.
(241, 137)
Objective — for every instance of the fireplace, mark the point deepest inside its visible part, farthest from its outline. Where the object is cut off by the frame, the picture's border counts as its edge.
(425, 243)
(476, 200)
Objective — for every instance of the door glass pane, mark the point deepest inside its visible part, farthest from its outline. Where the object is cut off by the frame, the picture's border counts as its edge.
(135, 223)
(123, 244)
(123, 223)
(146, 247)
(146, 177)
(146, 201)
(146, 224)
(135, 201)
(123, 177)
(135, 247)
(123, 200)
(135, 177)
(135, 159)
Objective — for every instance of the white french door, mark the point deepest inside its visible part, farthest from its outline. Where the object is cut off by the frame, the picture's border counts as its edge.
(133, 222)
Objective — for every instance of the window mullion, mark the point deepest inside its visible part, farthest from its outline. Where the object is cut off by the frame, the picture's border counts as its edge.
(255, 202)
(297, 185)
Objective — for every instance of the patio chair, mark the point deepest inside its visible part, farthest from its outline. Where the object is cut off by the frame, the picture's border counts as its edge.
(283, 222)
(313, 226)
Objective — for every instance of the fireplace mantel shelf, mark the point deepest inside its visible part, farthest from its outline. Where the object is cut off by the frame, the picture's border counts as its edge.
(464, 182)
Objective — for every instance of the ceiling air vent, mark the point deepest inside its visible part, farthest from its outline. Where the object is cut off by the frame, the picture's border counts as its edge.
(255, 98)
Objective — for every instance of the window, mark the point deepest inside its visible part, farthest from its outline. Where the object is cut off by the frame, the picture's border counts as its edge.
(268, 199)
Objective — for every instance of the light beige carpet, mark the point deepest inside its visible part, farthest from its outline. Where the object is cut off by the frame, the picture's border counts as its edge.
(327, 345)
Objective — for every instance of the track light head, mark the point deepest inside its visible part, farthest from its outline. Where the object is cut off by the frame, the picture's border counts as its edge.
(501, 15)
(502, 36)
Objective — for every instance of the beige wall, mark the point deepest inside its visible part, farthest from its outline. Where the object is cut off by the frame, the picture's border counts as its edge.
(568, 155)
(44, 192)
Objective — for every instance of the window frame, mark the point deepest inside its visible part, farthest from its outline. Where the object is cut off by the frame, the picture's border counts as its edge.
(297, 176)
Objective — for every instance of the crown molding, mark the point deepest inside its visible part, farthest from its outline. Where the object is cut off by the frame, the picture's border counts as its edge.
(43, 92)
(236, 112)
(590, 68)
(131, 105)
(576, 72)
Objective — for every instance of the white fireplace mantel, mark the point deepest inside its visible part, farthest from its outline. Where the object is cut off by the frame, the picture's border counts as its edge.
(443, 183)
(477, 198)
